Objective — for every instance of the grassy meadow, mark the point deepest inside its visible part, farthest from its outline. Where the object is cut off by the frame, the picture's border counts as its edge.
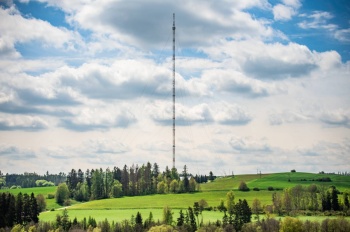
(118, 209)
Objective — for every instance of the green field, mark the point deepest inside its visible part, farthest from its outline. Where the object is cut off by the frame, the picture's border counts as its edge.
(277, 180)
(118, 209)
(50, 203)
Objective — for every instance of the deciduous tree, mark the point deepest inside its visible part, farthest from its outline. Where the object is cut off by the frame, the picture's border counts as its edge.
(62, 193)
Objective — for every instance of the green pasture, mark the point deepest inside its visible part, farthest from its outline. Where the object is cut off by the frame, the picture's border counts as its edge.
(176, 201)
(50, 203)
(118, 215)
(290, 179)
(277, 181)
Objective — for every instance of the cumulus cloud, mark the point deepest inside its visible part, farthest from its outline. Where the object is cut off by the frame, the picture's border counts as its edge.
(334, 117)
(159, 145)
(231, 81)
(22, 122)
(271, 61)
(277, 61)
(283, 12)
(14, 153)
(162, 113)
(249, 145)
(143, 23)
(101, 117)
(17, 29)
(232, 115)
(337, 117)
(333, 154)
(104, 146)
(288, 116)
(286, 11)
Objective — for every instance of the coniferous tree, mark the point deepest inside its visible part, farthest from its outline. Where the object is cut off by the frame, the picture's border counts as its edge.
(10, 217)
(185, 179)
(26, 216)
(180, 219)
(138, 219)
(88, 181)
(3, 209)
(19, 208)
(193, 225)
(65, 223)
(246, 211)
(34, 209)
(335, 202)
(196, 211)
(125, 180)
(346, 200)
(80, 176)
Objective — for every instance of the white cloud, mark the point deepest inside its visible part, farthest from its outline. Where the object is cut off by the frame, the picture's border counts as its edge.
(144, 24)
(231, 115)
(288, 117)
(103, 146)
(338, 117)
(318, 20)
(286, 11)
(292, 3)
(249, 145)
(161, 112)
(101, 117)
(343, 35)
(12, 152)
(268, 60)
(231, 81)
(17, 29)
(283, 12)
(22, 122)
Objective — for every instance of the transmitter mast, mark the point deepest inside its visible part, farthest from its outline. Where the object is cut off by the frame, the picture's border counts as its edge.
(174, 90)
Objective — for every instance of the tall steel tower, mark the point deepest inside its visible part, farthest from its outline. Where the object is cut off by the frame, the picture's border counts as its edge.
(174, 90)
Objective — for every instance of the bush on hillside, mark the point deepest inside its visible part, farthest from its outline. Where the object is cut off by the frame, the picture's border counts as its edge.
(243, 187)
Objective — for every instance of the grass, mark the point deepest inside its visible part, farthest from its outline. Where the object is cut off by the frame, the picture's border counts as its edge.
(118, 215)
(277, 180)
(50, 203)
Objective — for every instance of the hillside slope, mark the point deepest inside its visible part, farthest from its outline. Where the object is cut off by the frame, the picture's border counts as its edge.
(277, 181)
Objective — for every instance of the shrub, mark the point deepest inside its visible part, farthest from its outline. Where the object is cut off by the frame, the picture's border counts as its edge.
(40, 199)
(256, 189)
(293, 170)
(67, 202)
(243, 187)
(50, 196)
(270, 188)
(290, 224)
(324, 179)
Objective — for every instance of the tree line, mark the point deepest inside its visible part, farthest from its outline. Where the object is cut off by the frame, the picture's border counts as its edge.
(21, 209)
(29, 180)
(312, 198)
(127, 181)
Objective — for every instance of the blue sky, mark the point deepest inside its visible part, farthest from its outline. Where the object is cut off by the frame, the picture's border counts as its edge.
(260, 85)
